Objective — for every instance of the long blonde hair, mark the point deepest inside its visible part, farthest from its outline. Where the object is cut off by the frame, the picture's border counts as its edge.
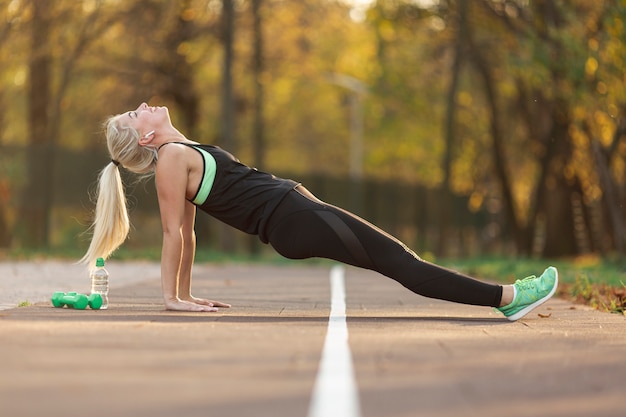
(111, 223)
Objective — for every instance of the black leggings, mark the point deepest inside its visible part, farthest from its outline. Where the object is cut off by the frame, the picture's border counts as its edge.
(304, 227)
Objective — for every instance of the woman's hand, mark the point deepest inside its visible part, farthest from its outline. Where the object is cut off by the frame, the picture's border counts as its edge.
(203, 302)
(181, 305)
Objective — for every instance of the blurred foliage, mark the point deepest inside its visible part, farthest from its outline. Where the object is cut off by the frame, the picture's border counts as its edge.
(556, 70)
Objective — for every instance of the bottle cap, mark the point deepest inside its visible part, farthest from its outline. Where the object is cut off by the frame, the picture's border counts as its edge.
(99, 262)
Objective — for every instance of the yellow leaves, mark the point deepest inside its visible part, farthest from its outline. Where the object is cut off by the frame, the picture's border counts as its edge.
(386, 30)
(475, 202)
(591, 66)
(581, 164)
(89, 6)
(579, 112)
(464, 99)
(605, 127)
(191, 51)
(569, 172)
(183, 48)
(593, 192)
(579, 139)
(617, 27)
(188, 15)
(20, 76)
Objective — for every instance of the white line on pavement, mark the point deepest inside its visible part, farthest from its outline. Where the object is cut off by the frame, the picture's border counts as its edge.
(335, 392)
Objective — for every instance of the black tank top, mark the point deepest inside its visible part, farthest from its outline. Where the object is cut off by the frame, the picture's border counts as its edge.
(240, 196)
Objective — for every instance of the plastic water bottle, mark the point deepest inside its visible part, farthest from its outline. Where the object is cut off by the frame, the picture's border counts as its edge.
(100, 283)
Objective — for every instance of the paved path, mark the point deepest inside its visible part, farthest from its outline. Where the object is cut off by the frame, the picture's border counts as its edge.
(35, 281)
(412, 356)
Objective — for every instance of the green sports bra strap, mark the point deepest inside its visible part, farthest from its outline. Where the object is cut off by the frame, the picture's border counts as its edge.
(208, 177)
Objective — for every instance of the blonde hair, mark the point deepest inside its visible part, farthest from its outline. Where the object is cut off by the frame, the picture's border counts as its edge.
(111, 223)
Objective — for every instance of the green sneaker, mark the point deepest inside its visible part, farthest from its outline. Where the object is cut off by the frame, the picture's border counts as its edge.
(530, 293)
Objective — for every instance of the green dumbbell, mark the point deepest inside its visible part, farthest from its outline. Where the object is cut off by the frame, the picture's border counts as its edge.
(77, 301)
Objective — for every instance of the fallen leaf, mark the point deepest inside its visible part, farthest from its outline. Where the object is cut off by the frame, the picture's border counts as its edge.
(544, 316)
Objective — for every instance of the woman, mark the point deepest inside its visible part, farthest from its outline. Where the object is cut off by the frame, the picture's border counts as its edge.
(281, 212)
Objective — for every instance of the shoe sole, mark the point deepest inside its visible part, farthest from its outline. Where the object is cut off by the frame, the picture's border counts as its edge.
(537, 303)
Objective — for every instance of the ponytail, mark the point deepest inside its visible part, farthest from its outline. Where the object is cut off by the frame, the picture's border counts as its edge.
(110, 225)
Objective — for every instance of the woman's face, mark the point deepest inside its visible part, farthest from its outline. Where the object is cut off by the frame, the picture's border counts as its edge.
(145, 119)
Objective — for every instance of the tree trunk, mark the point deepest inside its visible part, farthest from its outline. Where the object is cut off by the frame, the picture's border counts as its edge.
(449, 124)
(258, 67)
(177, 81)
(499, 156)
(611, 195)
(258, 138)
(227, 136)
(535, 114)
(5, 184)
(557, 207)
(178, 73)
(35, 204)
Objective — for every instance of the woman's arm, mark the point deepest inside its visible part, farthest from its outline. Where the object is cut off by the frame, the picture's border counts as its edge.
(189, 251)
(171, 180)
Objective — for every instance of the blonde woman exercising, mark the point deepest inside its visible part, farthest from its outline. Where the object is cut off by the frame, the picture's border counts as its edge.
(283, 213)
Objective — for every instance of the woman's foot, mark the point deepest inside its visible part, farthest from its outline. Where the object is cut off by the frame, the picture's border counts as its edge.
(530, 293)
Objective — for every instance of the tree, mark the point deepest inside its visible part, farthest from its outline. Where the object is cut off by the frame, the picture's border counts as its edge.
(546, 85)
(258, 69)
(36, 200)
(8, 22)
(227, 134)
(44, 104)
(450, 125)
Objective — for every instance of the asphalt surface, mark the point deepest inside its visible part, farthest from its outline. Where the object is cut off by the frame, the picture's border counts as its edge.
(412, 356)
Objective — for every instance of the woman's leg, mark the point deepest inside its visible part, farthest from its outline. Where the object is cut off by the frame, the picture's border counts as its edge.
(304, 227)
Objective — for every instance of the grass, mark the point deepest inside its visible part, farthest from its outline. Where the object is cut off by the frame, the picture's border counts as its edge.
(501, 269)
(588, 280)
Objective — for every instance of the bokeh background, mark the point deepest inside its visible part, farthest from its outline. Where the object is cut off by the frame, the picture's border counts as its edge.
(464, 128)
